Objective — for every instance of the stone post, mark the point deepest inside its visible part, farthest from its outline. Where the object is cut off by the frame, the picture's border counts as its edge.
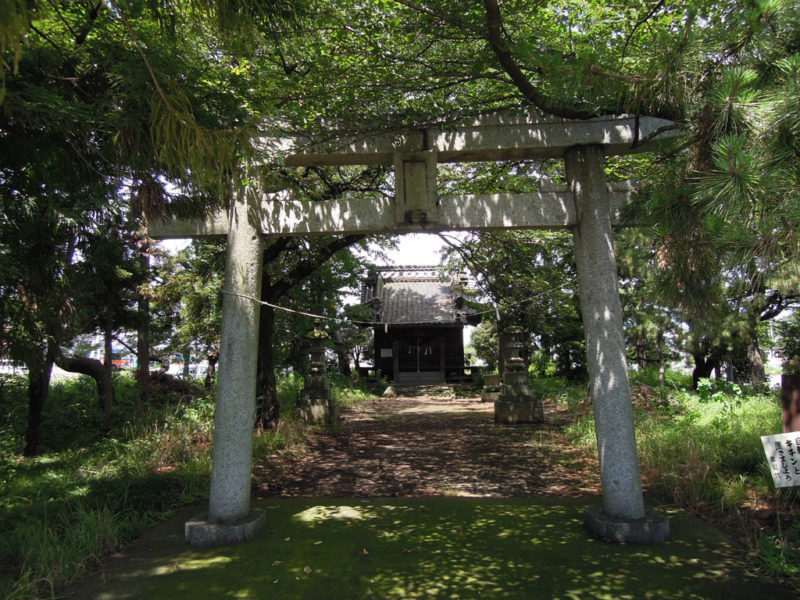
(516, 402)
(623, 517)
(316, 404)
(229, 518)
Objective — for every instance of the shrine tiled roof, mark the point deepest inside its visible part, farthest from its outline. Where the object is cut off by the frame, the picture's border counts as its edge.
(414, 299)
(417, 301)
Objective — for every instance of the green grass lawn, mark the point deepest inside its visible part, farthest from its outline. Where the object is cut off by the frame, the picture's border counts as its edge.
(86, 496)
(429, 548)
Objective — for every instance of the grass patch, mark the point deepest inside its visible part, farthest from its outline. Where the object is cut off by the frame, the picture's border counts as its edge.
(431, 548)
(348, 392)
(702, 451)
(86, 494)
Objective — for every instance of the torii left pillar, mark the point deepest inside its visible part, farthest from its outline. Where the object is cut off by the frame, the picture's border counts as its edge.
(230, 519)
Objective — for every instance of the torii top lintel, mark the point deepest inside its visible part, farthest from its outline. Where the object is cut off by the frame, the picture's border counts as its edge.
(417, 205)
(499, 136)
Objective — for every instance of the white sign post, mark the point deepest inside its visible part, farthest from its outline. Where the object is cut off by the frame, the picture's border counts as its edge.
(783, 455)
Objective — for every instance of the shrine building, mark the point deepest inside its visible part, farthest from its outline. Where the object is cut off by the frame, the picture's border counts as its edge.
(419, 324)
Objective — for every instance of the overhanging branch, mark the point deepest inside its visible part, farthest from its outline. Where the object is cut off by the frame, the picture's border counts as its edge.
(497, 40)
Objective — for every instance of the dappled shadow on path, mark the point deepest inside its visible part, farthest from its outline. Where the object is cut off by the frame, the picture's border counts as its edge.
(425, 446)
(428, 548)
(402, 548)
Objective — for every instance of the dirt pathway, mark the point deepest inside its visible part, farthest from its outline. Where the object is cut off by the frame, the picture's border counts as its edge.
(432, 446)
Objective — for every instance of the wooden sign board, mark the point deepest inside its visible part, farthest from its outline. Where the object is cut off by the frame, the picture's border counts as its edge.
(783, 455)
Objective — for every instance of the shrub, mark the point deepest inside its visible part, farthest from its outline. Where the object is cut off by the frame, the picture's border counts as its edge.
(703, 451)
(560, 390)
(61, 511)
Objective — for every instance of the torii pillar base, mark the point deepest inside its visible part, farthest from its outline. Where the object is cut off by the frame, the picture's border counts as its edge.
(199, 531)
(653, 528)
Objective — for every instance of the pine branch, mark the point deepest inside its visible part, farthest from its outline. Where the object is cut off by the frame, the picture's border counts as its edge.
(641, 22)
(45, 38)
(499, 44)
(94, 12)
(442, 16)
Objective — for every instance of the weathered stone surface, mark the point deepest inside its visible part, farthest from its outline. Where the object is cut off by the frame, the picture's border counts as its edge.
(315, 404)
(199, 531)
(234, 417)
(490, 395)
(509, 135)
(516, 403)
(389, 392)
(492, 383)
(605, 343)
(516, 411)
(280, 214)
(653, 528)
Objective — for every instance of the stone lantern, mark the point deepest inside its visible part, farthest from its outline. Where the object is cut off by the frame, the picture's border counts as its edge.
(517, 402)
(315, 404)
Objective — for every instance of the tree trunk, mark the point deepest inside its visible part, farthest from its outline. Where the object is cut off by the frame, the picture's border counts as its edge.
(97, 371)
(641, 351)
(107, 401)
(298, 360)
(342, 356)
(758, 376)
(38, 385)
(212, 356)
(143, 336)
(662, 363)
(187, 360)
(502, 339)
(703, 367)
(267, 406)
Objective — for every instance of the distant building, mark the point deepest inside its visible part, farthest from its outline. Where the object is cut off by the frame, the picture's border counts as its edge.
(419, 323)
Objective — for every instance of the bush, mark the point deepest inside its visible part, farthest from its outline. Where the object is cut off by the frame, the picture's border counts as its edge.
(674, 380)
(289, 387)
(703, 451)
(560, 390)
(13, 418)
(61, 511)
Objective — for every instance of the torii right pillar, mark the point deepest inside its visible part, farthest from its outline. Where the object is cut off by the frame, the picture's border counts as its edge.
(623, 517)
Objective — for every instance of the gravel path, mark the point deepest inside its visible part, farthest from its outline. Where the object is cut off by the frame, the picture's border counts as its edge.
(432, 446)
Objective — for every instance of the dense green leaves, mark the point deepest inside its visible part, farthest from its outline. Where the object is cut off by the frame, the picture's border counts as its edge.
(529, 279)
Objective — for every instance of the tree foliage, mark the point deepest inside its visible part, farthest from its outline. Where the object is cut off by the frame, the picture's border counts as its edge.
(724, 209)
(530, 279)
(157, 104)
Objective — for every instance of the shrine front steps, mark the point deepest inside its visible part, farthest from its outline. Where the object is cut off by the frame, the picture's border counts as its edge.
(434, 391)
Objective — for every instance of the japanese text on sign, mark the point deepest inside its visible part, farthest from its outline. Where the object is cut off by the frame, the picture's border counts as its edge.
(783, 455)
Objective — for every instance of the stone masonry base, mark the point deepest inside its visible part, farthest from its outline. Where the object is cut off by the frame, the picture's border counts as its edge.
(652, 529)
(198, 531)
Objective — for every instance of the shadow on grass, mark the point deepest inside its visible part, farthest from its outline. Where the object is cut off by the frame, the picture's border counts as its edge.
(429, 548)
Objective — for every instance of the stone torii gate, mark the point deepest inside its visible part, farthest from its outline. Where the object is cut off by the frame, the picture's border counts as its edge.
(587, 206)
